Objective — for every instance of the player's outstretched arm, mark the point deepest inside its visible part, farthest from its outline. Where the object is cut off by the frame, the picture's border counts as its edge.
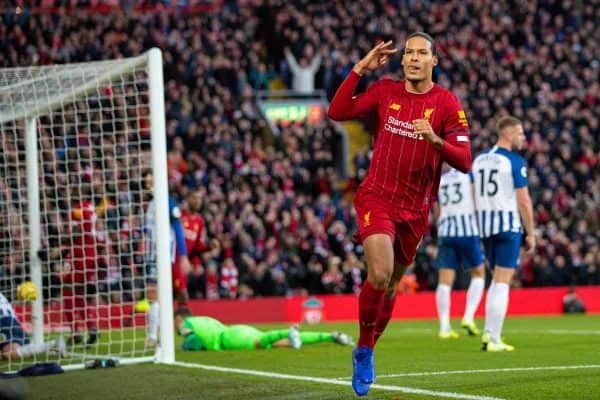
(343, 105)
(192, 343)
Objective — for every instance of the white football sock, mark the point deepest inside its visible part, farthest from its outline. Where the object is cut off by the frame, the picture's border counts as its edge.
(473, 298)
(32, 349)
(153, 321)
(495, 310)
(442, 300)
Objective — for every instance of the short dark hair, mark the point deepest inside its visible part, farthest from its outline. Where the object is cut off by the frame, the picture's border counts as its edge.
(182, 311)
(192, 190)
(505, 121)
(427, 37)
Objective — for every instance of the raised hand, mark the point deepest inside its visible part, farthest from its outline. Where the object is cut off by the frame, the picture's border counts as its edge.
(376, 58)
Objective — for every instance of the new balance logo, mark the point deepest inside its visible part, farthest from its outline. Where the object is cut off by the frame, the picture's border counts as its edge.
(395, 107)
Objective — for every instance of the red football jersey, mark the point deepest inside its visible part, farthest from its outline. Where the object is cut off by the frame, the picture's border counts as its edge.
(405, 169)
(84, 252)
(193, 225)
(84, 217)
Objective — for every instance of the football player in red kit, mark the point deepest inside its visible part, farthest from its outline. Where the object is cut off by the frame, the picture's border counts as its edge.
(195, 240)
(419, 126)
(80, 279)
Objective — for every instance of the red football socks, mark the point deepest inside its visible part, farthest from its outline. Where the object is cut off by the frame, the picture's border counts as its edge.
(384, 316)
(370, 303)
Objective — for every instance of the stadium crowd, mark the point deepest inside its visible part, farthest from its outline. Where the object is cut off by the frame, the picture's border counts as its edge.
(275, 203)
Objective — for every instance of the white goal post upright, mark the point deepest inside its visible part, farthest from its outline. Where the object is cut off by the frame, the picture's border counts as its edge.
(70, 125)
(33, 214)
(166, 353)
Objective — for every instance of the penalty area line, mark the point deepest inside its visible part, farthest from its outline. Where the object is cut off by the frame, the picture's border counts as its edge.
(389, 388)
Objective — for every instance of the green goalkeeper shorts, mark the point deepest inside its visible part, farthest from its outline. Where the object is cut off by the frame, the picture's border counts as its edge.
(240, 337)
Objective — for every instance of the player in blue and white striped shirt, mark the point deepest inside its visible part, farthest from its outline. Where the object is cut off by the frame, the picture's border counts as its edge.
(177, 247)
(501, 197)
(177, 239)
(458, 247)
(14, 342)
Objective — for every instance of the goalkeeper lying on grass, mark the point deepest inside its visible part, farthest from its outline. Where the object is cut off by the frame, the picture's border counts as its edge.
(205, 333)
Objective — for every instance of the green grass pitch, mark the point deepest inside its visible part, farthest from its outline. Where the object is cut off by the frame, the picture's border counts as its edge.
(556, 358)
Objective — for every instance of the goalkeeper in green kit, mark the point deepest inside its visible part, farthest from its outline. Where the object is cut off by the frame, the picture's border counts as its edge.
(205, 333)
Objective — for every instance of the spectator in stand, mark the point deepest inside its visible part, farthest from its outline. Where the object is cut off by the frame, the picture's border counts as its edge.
(229, 279)
(572, 303)
(333, 278)
(304, 71)
(355, 273)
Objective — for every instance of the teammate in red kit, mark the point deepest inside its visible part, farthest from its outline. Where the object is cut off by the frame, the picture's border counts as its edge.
(419, 126)
(195, 240)
(79, 282)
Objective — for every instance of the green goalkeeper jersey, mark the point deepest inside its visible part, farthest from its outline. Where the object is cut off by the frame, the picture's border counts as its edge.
(202, 333)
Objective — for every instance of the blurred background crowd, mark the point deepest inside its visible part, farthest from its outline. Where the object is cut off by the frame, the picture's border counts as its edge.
(277, 205)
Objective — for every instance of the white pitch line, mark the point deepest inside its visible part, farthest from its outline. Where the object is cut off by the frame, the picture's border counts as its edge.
(403, 389)
(416, 330)
(556, 331)
(477, 371)
(541, 331)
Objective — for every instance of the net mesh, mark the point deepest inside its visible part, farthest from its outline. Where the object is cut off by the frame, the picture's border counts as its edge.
(93, 138)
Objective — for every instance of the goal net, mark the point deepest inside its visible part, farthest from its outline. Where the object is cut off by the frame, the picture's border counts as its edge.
(83, 153)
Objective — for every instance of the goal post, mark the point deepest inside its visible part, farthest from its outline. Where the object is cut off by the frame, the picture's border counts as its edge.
(33, 214)
(166, 353)
(77, 140)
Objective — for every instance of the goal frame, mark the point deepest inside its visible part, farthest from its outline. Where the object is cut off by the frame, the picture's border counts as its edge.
(152, 59)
